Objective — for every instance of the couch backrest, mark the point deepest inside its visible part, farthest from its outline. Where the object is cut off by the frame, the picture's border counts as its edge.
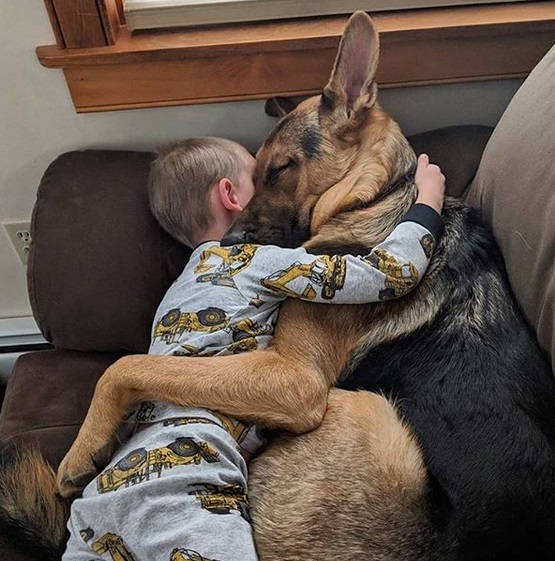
(515, 187)
(99, 263)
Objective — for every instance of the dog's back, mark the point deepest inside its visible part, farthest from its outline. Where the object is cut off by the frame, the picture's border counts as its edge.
(479, 394)
(455, 355)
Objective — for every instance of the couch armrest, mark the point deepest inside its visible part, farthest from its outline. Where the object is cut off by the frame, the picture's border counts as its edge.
(47, 398)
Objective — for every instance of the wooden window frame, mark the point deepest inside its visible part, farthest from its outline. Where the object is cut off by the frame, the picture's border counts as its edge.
(107, 68)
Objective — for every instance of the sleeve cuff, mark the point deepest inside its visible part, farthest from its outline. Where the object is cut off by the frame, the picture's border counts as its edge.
(427, 217)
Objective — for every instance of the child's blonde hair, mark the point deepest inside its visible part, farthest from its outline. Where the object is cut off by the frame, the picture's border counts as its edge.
(180, 179)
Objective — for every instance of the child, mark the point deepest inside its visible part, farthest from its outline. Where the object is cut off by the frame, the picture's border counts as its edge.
(176, 489)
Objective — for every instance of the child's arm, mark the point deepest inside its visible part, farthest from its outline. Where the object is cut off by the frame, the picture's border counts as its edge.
(430, 183)
(390, 270)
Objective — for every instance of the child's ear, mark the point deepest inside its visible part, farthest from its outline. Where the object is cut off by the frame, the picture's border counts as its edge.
(227, 193)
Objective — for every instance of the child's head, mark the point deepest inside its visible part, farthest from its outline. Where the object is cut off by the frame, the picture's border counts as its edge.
(197, 186)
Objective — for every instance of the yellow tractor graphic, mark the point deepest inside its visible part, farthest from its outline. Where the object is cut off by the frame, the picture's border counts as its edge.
(244, 334)
(237, 429)
(223, 500)
(180, 554)
(230, 262)
(141, 464)
(401, 277)
(114, 546)
(175, 322)
(145, 412)
(328, 272)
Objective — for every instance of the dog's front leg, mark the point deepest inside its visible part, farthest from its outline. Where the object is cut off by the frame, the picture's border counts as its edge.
(263, 386)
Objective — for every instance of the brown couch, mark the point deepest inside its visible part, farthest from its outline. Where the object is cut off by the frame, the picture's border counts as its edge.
(99, 263)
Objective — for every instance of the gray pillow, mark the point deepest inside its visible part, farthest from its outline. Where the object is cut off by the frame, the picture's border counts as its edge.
(515, 187)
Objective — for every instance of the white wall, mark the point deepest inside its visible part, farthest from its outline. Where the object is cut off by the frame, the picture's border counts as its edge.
(38, 122)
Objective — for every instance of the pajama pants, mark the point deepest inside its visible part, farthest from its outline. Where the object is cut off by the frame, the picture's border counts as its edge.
(175, 491)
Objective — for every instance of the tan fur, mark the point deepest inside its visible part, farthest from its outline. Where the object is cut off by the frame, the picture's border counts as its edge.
(354, 487)
(29, 495)
(335, 492)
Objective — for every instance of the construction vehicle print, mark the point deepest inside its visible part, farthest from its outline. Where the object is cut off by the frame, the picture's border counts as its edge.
(114, 546)
(141, 464)
(237, 429)
(428, 243)
(244, 334)
(181, 421)
(180, 554)
(327, 272)
(229, 262)
(86, 534)
(175, 322)
(145, 412)
(223, 500)
(400, 277)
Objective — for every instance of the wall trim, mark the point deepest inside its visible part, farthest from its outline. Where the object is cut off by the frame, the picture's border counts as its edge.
(20, 332)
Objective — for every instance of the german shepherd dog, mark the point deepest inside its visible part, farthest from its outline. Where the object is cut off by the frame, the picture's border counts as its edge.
(448, 453)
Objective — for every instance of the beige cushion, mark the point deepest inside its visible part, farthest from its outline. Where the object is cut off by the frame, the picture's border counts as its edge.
(515, 187)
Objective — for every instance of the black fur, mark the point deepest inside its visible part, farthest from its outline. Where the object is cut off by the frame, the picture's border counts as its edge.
(480, 396)
(311, 142)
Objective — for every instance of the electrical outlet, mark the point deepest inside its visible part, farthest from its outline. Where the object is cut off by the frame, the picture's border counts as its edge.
(20, 236)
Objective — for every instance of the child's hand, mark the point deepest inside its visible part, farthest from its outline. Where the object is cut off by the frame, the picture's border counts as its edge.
(430, 183)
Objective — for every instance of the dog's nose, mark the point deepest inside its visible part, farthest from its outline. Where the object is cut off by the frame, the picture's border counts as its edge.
(234, 236)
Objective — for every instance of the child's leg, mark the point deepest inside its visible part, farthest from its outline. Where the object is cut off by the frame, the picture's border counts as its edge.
(173, 492)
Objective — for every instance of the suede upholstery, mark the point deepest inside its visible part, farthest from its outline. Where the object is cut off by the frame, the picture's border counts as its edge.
(100, 264)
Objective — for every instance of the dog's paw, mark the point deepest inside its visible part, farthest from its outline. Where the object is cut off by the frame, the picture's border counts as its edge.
(78, 469)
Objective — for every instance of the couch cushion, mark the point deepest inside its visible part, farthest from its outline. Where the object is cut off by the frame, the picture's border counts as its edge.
(457, 150)
(47, 399)
(99, 262)
(515, 187)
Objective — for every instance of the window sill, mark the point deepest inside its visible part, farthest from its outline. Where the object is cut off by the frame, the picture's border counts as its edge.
(290, 58)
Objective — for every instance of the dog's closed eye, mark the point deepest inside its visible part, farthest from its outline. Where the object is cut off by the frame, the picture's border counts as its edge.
(274, 171)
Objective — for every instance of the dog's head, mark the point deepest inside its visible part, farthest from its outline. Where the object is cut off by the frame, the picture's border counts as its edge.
(334, 153)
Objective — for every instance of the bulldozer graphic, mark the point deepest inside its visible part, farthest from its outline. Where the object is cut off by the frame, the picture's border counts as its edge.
(244, 334)
(223, 500)
(86, 534)
(175, 322)
(180, 554)
(229, 262)
(181, 421)
(243, 337)
(141, 464)
(145, 412)
(114, 546)
(237, 429)
(401, 277)
(327, 272)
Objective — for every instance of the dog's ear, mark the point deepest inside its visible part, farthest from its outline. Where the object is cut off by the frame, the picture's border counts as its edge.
(279, 106)
(351, 86)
